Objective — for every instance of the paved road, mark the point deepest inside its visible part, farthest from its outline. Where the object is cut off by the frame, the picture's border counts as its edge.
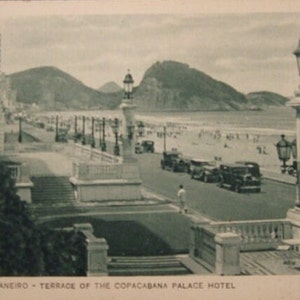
(221, 204)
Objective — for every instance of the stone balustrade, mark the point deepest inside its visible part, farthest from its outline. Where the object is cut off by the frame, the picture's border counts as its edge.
(88, 153)
(15, 172)
(96, 171)
(256, 234)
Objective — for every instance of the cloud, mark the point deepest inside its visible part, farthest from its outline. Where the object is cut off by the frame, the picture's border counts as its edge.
(100, 48)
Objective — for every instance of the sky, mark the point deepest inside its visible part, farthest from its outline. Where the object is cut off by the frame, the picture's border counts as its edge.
(249, 51)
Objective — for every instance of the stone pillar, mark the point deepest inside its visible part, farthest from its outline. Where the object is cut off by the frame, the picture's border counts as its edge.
(227, 254)
(2, 124)
(96, 251)
(293, 215)
(128, 111)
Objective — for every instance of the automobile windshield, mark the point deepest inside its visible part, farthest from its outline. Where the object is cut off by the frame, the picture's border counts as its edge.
(240, 171)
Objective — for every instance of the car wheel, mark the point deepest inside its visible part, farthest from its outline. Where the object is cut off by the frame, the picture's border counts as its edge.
(221, 183)
(174, 168)
(258, 190)
(237, 188)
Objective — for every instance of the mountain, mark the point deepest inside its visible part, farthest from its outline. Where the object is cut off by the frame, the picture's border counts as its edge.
(166, 86)
(172, 85)
(265, 98)
(52, 89)
(110, 87)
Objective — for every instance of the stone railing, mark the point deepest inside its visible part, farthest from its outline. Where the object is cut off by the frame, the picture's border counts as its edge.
(96, 251)
(88, 153)
(96, 171)
(256, 234)
(15, 172)
(19, 172)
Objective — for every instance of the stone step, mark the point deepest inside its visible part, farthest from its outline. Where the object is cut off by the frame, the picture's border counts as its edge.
(131, 259)
(156, 265)
(148, 272)
(51, 189)
(146, 265)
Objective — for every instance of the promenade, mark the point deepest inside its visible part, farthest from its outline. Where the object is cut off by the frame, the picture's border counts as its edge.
(150, 215)
(190, 146)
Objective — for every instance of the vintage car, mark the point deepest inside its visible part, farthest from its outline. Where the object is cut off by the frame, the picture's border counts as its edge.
(138, 148)
(148, 146)
(254, 168)
(173, 160)
(238, 178)
(204, 169)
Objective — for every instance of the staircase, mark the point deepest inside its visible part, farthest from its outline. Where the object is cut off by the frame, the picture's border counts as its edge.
(146, 266)
(49, 190)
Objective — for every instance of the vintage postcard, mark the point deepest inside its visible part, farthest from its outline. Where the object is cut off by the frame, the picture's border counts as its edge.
(148, 149)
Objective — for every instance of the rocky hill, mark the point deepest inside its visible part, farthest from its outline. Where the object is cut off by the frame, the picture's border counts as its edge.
(166, 86)
(53, 89)
(110, 87)
(264, 99)
(175, 86)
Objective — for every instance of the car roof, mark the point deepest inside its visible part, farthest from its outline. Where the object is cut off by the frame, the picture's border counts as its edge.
(234, 165)
(246, 162)
(201, 160)
(172, 152)
(147, 141)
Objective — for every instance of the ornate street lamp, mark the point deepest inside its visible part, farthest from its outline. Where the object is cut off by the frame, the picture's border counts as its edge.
(83, 131)
(128, 85)
(20, 137)
(56, 128)
(130, 130)
(165, 136)
(284, 152)
(75, 130)
(103, 146)
(99, 128)
(141, 128)
(93, 133)
(115, 129)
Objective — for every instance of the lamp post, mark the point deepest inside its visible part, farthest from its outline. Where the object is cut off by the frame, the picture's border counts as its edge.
(103, 146)
(100, 133)
(56, 128)
(75, 129)
(141, 128)
(20, 137)
(128, 110)
(284, 152)
(165, 136)
(93, 133)
(295, 103)
(115, 128)
(83, 131)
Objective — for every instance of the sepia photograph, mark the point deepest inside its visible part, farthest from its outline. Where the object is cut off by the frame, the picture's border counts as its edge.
(149, 151)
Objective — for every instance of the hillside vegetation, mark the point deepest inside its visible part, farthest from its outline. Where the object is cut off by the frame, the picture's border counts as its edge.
(166, 86)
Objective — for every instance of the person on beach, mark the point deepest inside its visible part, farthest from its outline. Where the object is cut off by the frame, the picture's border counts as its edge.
(181, 195)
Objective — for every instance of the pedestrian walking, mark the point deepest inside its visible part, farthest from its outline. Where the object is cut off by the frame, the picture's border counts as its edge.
(181, 195)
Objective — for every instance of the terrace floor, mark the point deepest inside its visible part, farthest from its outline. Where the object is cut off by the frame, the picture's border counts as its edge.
(270, 263)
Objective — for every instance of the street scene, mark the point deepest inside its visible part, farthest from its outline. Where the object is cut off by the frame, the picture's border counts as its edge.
(178, 165)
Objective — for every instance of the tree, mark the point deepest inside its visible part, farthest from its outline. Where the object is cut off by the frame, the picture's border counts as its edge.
(20, 250)
(28, 249)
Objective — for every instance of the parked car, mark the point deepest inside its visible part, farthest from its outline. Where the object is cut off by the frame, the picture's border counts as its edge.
(138, 148)
(204, 169)
(238, 178)
(148, 146)
(254, 168)
(174, 161)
